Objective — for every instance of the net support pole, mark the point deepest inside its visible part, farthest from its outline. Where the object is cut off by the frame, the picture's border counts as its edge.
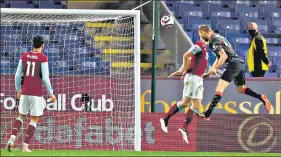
(155, 37)
(137, 40)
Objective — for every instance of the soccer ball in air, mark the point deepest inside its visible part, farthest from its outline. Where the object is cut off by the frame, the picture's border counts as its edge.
(167, 21)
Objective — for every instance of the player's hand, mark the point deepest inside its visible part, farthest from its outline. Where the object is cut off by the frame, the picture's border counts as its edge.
(175, 73)
(53, 99)
(183, 75)
(213, 71)
(205, 75)
(269, 64)
(18, 95)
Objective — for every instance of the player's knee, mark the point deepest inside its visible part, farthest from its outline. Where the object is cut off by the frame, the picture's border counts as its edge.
(33, 123)
(183, 105)
(241, 89)
(195, 106)
(35, 119)
(21, 117)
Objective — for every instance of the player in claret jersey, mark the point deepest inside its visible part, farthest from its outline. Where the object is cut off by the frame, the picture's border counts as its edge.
(33, 66)
(195, 62)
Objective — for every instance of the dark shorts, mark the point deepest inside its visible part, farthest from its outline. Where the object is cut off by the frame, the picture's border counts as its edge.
(234, 71)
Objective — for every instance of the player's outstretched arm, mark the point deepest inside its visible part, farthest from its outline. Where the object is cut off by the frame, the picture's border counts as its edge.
(221, 60)
(215, 63)
(46, 80)
(184, 66)
(18, 78)
(186, 60)
(208, 73)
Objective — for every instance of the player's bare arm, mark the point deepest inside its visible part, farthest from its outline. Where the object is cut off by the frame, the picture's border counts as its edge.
(185, 64)
(46, 81)
(221, 61)
(18, 79)
(207, 74)
(218, 63)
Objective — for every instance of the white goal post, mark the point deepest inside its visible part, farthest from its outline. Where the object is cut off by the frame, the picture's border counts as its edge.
(93, 54)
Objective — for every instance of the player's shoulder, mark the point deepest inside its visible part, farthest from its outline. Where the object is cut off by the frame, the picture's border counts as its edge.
(215, 37)
(24, 55)
(200, 44)
(43, 58)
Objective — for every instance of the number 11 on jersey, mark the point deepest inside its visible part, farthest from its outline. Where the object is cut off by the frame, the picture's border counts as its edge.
(28, 68)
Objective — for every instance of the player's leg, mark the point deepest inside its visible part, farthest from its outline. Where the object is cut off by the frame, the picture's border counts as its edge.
(195, 99)
(173, 110)
(23, 110)
(194, 108)
(227, 76)
(30, 133)
(243, 89)
(178, 105)
(36, 110)
(216, 99)
(197, 88)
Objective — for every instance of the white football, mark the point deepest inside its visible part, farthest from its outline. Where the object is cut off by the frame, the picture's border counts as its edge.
(167, 21)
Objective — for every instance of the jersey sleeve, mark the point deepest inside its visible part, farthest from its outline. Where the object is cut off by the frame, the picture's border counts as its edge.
(44, 59)
(21, 56)
(217, 46)
(195, 49)
(45, 77)
(18, 76)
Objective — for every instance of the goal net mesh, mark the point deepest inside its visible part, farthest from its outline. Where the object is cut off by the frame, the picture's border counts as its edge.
(91, 63)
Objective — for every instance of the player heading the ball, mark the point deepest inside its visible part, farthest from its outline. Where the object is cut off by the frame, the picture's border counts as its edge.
(33, 66)
(234, 70)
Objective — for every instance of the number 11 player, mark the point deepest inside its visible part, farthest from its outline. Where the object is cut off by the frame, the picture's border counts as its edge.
(34, 67)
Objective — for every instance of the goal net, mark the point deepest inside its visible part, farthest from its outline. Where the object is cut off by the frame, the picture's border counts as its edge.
(94, 62)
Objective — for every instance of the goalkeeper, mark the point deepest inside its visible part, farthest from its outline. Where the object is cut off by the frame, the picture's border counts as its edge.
(195, 63)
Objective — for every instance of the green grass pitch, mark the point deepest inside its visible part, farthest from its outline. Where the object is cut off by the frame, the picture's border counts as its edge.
(124, 153)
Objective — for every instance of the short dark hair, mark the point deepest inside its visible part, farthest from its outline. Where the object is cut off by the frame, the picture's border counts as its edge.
(205, 29)
(37, 41)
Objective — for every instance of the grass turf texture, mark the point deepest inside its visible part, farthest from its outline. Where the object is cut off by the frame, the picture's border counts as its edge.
(125, 153)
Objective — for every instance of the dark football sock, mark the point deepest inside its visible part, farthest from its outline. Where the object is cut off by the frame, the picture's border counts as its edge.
(30, 132)
(215, 101)
(251, 93)
(16, 127)
(173, 110)
(189, 116)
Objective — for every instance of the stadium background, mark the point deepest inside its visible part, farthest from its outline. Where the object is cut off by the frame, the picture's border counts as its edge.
(233, 124)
